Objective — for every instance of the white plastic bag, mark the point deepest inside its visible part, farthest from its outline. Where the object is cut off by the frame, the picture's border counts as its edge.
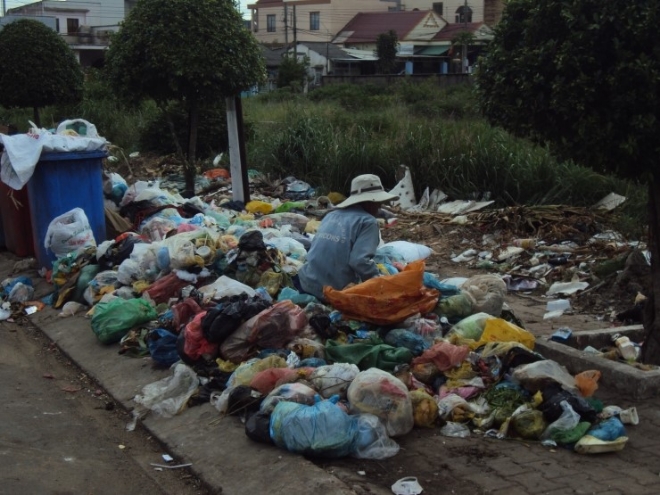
(167, 397)
(333, 379)
(84, 127)
(372, 439)
(568, 420)
(225, 286)
(410, 251)
(69, 233)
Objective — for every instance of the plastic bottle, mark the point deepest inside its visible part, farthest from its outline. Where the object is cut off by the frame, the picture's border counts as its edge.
(525, 243)
(626, 347)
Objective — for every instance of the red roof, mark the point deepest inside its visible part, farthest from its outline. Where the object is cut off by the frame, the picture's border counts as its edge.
(450, 31)
(366, 26)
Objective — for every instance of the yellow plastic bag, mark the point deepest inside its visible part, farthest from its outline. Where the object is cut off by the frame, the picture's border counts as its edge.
(499, 330)
(259, 207)
(385, 300)
(312, 226)
(425, 409)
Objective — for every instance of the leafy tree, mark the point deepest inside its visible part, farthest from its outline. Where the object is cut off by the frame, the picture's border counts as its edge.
(386, 48)
(196, 52)
(293, 73)
(463, 39)
(37, 68)
(583, 77)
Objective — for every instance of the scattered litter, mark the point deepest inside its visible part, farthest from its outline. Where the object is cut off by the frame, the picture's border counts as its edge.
(407, 486)
(167, 458)
(164, 466)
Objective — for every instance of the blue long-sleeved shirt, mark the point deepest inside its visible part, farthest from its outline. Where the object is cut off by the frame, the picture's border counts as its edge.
(342, 251)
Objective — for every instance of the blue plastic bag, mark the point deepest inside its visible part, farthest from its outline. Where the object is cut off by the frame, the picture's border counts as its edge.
(162, 347)
(320, 430)
(608, 430)
(405, 338)
(430, 281)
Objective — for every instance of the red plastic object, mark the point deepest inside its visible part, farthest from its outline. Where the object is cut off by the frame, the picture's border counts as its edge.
(15, 210)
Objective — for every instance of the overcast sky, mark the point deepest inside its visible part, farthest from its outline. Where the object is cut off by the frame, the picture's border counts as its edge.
(17, 3)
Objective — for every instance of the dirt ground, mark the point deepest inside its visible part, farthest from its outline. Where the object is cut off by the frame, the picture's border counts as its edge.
(63, 435)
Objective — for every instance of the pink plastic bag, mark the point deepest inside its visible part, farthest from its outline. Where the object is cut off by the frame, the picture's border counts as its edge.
(265, 381)
(196, 344)
(276, 326)
(444, 355)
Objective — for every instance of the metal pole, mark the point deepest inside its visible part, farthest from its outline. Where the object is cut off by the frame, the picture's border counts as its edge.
(286, 27)
(295, 34)
(4, 7)
(464, 54)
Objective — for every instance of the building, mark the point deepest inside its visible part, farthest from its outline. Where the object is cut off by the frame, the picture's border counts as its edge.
(85, 25)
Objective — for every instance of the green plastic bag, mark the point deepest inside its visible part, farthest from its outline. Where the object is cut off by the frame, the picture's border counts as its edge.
(112, 320)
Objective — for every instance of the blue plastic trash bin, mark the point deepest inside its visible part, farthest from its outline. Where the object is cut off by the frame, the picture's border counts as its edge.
(61, 182)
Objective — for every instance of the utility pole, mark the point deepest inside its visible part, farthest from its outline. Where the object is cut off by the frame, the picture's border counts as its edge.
(295, 34)
(4, 7)
(286, 27)
(464, 54)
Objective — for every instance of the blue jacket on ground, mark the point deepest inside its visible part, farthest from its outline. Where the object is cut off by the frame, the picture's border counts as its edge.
(342, 251)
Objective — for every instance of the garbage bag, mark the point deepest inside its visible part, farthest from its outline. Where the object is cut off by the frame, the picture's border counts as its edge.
(529, 424)
(535, 376)
(243, 400)
(553, 395)
(162, 347)
(500, 330)
(292, 392)
(404, 338)
(488, 292)
(456, 307)
(244, 374)
(372, 441)
(425, 409)
(112, 320)
(385, 300)
(471, 327)
(333, 379)
(276, 326)
(69, 233)
(165, 288)
(367, 356)
(257, 427)
(265, 381)
(168, 397)
(377, 392)
(568, 420)
(196, 347)
(444, 355)
(320, 430)
(587, 382)
(225, 318)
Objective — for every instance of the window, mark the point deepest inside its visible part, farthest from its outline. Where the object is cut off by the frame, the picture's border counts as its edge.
(437, 7)
(72, 26)
(270, 23)
(314, 21)
(57, 25)
(463, 14)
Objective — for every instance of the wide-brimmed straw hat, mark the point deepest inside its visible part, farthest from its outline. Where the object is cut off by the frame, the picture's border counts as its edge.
(367, 188)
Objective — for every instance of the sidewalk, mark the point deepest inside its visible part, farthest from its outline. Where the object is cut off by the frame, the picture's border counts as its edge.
(223, 456)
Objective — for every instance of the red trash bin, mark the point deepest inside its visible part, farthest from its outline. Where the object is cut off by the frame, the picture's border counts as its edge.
(15, 210)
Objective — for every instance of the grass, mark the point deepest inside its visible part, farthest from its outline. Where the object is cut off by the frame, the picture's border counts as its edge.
(339, 131)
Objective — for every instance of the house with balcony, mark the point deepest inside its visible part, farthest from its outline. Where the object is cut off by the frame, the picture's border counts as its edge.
(86, 26)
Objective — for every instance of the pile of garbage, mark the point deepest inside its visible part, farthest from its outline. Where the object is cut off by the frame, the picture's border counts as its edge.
(205, 289)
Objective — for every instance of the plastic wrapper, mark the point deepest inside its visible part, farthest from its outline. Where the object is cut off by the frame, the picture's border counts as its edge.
(320, 430)
(333, 379)
(385, 300)
(71, 308)
(568, 420)
(372, 441)
(456, 430)
(113, 320)
(307, 348)
(377, 392)
(168, 397)
(292, 392)
(20, 293)
(102, 283)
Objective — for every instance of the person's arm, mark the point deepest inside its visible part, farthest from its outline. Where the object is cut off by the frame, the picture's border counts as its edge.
(364, 249)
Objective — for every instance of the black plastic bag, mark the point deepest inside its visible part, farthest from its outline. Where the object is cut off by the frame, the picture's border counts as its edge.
(551, 408)
(220, 322)
(252, 241)
(257, 427)
(243, 400)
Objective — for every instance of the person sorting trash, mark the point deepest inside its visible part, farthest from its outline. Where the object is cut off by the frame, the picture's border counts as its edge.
(344, 246)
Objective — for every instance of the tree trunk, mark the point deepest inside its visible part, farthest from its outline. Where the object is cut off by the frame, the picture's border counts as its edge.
(190, 172)
(651, 347)
(36, 116)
